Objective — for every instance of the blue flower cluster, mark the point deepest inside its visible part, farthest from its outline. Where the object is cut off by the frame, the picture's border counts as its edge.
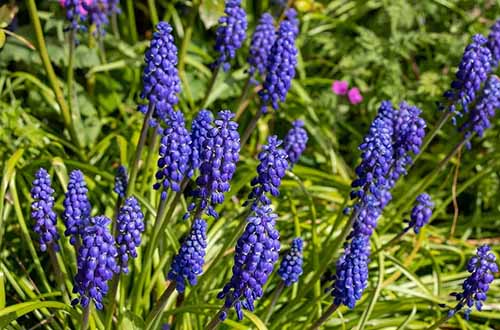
(291, 16)
(76, 206)
(494, 42)
(421, 212)
(200, 127)
(270, 171)
(257, 251)
(160, 77)
(484, 109)
(472, 72)
(99, 12)
(262, 40)
(187, 265)
(42, 211)
(230, 33)
(121, 181)
(295, 142)
(291, 263)
(476, 286)
(96, 262)
(219, 155)
(130, 226)
(75, 14)
(175, 155)
(280, 67)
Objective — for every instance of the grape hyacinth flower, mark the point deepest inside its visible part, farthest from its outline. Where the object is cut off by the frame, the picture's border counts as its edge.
(76, 206)
(484, 109)
(200, 127)
(230, 33)
(291, 264)
(474, 68)
(482, 267)
(421, 212)
(280, 68)
(76, 14)
(121, 181)
(99, 12)
(175, 153)
(295, 142)
(42, 211)
(130, 226)
(187, 265)
(161, 82)
(256, 253)
(494, 42)
(270, 171)
(219, 155)
(260, 46)
(96, 263)
(291, 16)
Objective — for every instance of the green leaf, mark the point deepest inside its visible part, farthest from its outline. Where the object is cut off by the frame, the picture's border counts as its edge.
(131, 321)
(2, 38)
(255, 320)
(13, 312)
(7, 14)
(210, 11)
(2, 290)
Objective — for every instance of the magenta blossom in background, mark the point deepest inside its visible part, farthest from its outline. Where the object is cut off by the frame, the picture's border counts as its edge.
(340, 87)
(354, 96)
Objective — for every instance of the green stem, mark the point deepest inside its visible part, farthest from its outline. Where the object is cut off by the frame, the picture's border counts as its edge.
(188, 32)
(210, 86)
(154, 13)
(131, 21)
(85, 316)
(114, 26)
(159, 306)
(276, 295)
(54, 82)
(134, 168)
(240, 108)
(439, 322)
(324, 317)
(72, 95)
(152, 152)
(250, 128)
(432, 134)
(58, 273)
(216, 319)
(393, 241)
(112, 297)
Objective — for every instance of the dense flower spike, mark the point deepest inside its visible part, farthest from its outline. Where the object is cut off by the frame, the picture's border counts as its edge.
(482, 267)
(200, 127)
(295, 142)
(220, 153)
(272, 168)
(485, 108)
(352, 272)
(471, 74)
(76, 14)
(421, 212)
(187, 265)
(130, 226)
(96, 262)
(291, 16)
(230, 33)
(99, 12)
(291, 264)
(262, 41)
(494, 42)
(76, 206)
(160, 77)
(121, 181)
(280, 67)
(42, 211)
(175, 154)
(256, 253)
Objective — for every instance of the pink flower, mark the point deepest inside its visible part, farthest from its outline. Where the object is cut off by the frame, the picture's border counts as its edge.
(340, 87)
(354, 96)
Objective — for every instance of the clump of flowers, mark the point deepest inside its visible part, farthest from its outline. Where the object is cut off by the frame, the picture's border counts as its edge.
(476, 286)
(421, 212)
(291, 263)
(341, 87)
(96, 263)
(200, 127)
(260, 46)
(130, 226)
(76, 206)
(187, 265)
(99, 12)
(295, 142)
(494, 42)
(75, 12)
(42, 211)
(231, 33)
(121, 181)
(161, 82)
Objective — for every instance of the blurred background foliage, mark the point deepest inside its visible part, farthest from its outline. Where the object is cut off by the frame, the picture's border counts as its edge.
(390, 49)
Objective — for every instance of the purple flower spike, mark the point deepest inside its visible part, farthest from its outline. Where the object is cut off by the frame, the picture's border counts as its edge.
(262, 41)
(295, 142)
(201, 125)
(130, 225)
(291, 263)
(161, 82)
(494, 42)
(187, 265)
(42, 211)
(421, 212)
(121, 181)
(230, 33)
(96, 263)
(257, 252)
(482, 267)
(77, 207)
(99, 12)
(76, 14)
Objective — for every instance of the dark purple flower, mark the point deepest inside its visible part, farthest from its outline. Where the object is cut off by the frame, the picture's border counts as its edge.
(256, 253)
(262, 41)
(421, 212)
(42, 211)
(76, 206)
(96, 262)
(295, 142)
(187, 265)
(130, 226)
(291, 263)
(494, 42)
(201, 125)
(121, 181)
(291, 16)
(99, 12)
(230, 33)
(76, 14)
